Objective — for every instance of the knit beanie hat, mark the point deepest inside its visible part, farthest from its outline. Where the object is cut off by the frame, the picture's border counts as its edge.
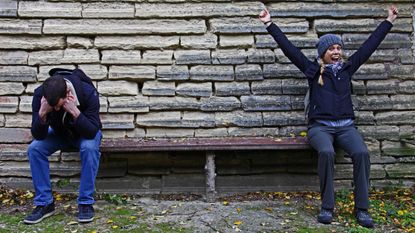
(326, 41)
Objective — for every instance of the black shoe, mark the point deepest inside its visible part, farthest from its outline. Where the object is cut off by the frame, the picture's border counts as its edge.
(86, 213)
(364, 219)
(325, 216)
(39, 213)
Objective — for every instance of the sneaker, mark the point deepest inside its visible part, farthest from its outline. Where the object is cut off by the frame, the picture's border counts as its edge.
(86, 213)
(364, 219)
(325, 216)
(39, 213)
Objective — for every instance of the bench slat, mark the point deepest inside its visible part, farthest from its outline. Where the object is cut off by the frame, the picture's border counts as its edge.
(204, 144)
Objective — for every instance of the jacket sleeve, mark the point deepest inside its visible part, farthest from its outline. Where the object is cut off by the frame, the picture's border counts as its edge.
(39, 129)
(293, 53)
(369, 46)
(88, 123)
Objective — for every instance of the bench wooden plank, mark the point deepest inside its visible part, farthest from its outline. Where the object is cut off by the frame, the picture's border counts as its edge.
(204, 144)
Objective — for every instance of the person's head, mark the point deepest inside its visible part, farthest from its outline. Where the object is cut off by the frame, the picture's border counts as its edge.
(329, 48)
(55, 91)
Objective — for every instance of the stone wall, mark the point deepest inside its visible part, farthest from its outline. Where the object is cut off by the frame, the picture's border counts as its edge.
(174, 68)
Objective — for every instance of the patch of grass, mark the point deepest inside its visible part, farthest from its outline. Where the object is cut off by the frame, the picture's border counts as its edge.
(313, 230)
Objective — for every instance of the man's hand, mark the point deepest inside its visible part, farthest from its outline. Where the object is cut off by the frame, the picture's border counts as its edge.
(70, 106)
(45, 108)
(264, 16)
(392, 14)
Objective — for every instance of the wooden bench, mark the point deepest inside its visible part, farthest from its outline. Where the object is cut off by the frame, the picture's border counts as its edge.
(209, 145)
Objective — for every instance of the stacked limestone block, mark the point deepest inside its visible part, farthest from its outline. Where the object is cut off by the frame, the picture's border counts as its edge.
(174, 68)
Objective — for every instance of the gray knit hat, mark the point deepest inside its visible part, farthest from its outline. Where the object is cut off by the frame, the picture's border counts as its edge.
(326, 41)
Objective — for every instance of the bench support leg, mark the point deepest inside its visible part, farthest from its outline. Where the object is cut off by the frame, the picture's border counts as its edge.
(210, 176)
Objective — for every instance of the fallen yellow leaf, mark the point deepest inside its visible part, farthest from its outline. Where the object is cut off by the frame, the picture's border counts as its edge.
(109, 221)
(225, 203)
(114, 227)
(237, 222)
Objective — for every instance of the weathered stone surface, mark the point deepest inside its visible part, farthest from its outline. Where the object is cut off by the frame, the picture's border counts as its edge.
(194, 89)
(265, 103)
(211, 73)
(229, 56)
(398, 148)
(267, 87)
(389, 86)
(236, 41)
(136, 42)
(281, 58)
(302, 41)
(50, 9)
(9, 88)
(198, 119)
(283, 118)
(117, 121)
(18, 26)
(108, 10)
(406, 87)
(395, 117)
(265, 41)
(358, 87)
(79, 42)
(171, 73)
(123, 88)
(232, 88)
(2, 120)
(31, 42)
(260, 56)
(392, 40)
(159, 88)
(405, 170)
(282, 70)
(248, 72)
(214, 103)
(157, 57)
(180, 10)
(406, 56)
(403, 102)
(44, 72)
(15, 135)
(128, 104)
(312, 9)
(402, 71)
(160, 119)
(380, 132)
(294, 86)
(364, 118)
(133, 184)
(217, 132)
(238, 118)
(8, 8)
(16, 57)
(103, 104)
(18, 73)
(77, 56)
(174, 103)
(131, 27)
(371, 72)
(249, 132)
(95, 72)
(25, 104)
(8, 104)
(120, 57)
(18, 120)
(169, 133)
(136, 73)
(206, 41)
(17, 152)
(407, 132)
(190, 57)
(345, 171)
(378, 102)
(48, 57)
(358, 25)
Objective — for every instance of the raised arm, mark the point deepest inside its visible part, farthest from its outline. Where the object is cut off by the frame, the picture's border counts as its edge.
(374, 40)
(293, 53)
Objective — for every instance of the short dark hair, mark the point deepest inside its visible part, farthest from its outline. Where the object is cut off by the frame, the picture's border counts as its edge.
(54, 88)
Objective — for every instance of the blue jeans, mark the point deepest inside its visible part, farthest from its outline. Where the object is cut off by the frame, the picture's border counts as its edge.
(40, 150)
(322, 138)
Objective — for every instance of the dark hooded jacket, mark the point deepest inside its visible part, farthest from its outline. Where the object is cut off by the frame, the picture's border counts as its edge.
(332, 101)
(86, 125)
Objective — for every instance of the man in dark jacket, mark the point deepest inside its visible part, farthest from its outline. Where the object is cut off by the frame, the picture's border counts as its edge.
(65, 113)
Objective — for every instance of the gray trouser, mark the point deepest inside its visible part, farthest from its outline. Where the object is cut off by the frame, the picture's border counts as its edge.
(321, 138)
